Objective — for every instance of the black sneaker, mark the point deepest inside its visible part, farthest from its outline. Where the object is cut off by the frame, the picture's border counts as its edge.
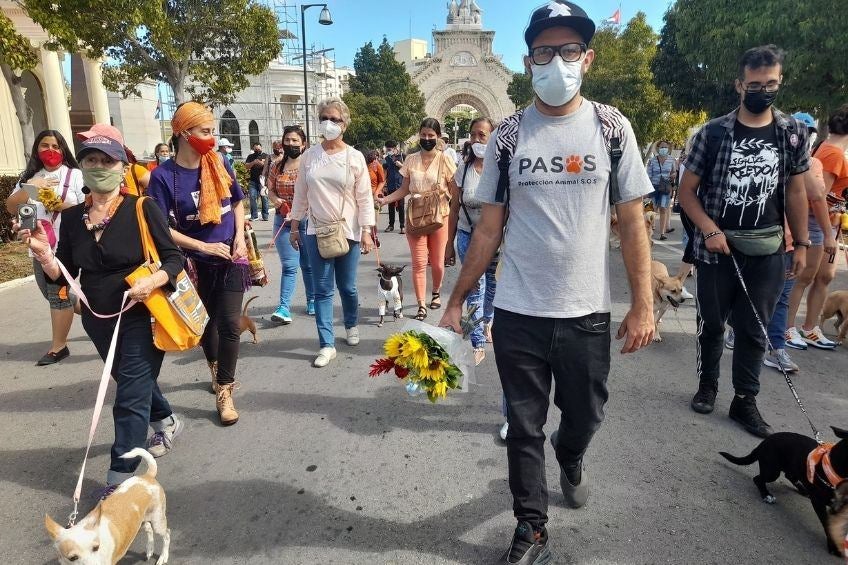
(704, 400)
(744, 411)
(573, 480)
(528, 547)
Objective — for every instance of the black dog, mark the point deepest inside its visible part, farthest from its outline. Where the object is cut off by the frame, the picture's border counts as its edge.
(390, 289)
(787, 452)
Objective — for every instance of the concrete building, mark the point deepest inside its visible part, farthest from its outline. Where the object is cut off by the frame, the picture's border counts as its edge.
(410, 50)
(274, 100)
(68, 104)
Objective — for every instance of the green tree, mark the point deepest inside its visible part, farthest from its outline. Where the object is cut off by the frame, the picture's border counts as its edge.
(16, 55)
(203, 49)
(384, 102)
(621, 75)
(520, 90)
(686, 84)
(713, 34)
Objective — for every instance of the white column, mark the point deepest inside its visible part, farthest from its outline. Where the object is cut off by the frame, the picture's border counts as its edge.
(55, 99)
(97, 99)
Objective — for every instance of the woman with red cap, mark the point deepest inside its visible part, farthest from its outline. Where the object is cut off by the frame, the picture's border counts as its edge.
(198, 191)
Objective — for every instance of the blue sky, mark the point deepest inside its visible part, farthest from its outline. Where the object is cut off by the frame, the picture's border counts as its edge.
(359, 21)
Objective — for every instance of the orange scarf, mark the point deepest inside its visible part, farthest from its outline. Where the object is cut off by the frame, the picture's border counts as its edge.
(215, 181)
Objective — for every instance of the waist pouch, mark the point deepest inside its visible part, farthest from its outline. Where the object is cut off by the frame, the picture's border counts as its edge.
(756, 242)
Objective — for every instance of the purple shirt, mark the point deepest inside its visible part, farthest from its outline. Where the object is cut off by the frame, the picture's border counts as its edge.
(184, 216)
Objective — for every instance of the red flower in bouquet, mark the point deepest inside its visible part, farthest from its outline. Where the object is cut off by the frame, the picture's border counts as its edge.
(401, 372)
(381, 366)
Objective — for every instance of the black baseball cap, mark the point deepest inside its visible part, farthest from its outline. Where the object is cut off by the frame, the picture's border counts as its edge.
(113, 148)
(559, 13)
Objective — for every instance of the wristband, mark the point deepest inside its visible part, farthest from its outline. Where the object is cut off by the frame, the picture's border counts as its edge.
(712, 234)
(806, 244)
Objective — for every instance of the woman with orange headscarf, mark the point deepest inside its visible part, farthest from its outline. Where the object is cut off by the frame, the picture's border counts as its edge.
(198, 191)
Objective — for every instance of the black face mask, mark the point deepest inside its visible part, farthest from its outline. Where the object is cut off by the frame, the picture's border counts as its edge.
(759, 102)
(291, 151)
(257, 151)
(427, 144)
(276, 151)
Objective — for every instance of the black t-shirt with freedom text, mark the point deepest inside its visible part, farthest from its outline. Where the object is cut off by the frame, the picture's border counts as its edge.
(256, 172)
(753, 197)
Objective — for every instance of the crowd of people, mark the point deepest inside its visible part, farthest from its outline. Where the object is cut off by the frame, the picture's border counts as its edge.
(759, 203)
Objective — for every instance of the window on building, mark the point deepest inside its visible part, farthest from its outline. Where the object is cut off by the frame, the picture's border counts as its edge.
(253, 130)
(229, 128)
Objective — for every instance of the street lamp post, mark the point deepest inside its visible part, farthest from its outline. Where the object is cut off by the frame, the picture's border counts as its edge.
(323, 19)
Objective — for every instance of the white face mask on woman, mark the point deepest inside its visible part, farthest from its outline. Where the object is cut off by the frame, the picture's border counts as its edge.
(330, 130)
(479, 150)
(558, 82)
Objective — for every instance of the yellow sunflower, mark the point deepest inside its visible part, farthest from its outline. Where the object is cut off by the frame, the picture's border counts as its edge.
(435, 371)
(440, 389)
(394, 345)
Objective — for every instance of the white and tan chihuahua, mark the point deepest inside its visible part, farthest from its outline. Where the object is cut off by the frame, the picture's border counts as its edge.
(107, 532)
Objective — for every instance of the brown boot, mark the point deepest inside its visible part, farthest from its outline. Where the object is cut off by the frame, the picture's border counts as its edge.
(224, 402)
(213, 368)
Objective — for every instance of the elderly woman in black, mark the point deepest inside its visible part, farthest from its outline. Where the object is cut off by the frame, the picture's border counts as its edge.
(101, 240)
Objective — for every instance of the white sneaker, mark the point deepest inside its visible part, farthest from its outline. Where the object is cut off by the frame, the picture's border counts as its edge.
(504, 430)
(730, 339)
(325, 355)
(161, 442)
(815, 337)
(686, 294)
(780, 359)
(353, 336)
(794, 339)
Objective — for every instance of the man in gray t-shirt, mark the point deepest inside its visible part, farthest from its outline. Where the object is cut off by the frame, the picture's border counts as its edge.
(552, 316)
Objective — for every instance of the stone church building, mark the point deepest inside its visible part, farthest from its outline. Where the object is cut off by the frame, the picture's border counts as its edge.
(463, 69)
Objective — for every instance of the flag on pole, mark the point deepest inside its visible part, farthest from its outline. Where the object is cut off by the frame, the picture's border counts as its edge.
(615, 18)
(158, 109)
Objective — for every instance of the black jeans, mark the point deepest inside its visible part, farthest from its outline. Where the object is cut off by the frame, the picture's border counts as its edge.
(529, 351)
(720, 296)
(221, 288)
(400, 212)
(138, 400)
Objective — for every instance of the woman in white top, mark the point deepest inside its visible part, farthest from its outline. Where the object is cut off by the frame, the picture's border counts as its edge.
(423, 172)
(465, 213)
(51, 166)
(333, 185)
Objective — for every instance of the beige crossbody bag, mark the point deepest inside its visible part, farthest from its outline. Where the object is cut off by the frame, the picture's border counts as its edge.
(332, 241)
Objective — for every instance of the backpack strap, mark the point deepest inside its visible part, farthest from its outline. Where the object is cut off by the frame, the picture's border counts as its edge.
(715, 134)
(612, 129)
(506, 141)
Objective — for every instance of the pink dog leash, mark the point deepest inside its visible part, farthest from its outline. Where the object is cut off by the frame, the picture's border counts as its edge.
(104, 377)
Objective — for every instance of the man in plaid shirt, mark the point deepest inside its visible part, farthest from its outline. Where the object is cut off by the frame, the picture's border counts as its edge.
(743, 178)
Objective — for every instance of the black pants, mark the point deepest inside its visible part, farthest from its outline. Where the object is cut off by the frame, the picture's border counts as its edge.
(138, 400)
(528, 351)
(221, 288)
(720, 296)
(400, 212)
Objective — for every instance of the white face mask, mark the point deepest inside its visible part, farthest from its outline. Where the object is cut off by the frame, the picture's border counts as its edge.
(329, 130)
(558, 82)
(479, 150)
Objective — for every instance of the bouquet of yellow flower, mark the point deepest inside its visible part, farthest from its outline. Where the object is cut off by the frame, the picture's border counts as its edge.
(48, 197)
(418, 357)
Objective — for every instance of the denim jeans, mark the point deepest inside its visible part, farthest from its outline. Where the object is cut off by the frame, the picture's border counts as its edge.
(138, 400)
(719, 295)
(484, 295)
(326, 275)
(256, 193)
(777, 325)
(530, 352)
(291, 258)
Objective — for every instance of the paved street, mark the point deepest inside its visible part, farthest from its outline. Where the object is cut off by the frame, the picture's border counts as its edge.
(329, 466)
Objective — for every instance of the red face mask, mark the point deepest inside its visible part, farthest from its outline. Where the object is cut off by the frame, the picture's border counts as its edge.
(51, 157)
(202, 146)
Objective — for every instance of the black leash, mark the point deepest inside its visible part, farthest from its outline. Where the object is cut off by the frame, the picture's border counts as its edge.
(816, 432)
